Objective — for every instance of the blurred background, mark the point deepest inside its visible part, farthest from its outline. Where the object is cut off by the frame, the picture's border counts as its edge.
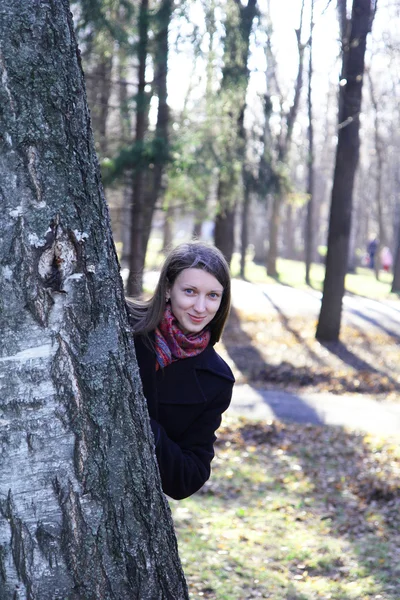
(203, 113)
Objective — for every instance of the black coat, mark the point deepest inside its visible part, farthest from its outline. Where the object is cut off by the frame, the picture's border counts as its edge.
(185, 400)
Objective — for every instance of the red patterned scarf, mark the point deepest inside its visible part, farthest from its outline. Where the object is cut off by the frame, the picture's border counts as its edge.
(172, 344)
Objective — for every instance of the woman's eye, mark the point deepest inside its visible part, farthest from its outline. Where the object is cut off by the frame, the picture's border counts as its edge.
(214, 295)
(188, 291)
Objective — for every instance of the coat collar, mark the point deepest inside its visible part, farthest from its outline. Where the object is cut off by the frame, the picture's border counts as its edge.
(194, 380)
(207, 360)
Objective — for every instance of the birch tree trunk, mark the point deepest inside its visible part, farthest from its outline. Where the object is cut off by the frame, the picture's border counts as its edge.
(82, 515)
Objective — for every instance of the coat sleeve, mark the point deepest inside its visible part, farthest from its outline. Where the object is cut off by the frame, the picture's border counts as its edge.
(186, 465)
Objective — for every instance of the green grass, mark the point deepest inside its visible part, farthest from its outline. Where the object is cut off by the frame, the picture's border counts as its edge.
(288, 515)
(292, 273)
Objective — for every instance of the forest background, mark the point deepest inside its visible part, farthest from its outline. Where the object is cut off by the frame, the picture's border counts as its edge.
(219, 120)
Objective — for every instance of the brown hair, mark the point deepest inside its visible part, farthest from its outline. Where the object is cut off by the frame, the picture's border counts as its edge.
(146, 315)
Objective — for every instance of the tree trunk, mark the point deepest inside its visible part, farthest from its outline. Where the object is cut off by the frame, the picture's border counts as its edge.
(244, 232)
(273, 236)
(168, 230)
(379, 177)
(142, 213)
(223, 232)
(396, 265)
(309, 228)
(235, 77)
(347, 154)
(283, 152)
(82, 515)
(136, 257)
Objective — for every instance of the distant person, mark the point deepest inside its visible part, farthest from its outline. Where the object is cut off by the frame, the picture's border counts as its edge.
(371, 249)
(187, 385)
(386, 259)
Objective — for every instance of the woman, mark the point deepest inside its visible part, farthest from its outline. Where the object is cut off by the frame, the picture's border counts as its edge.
(187, 385)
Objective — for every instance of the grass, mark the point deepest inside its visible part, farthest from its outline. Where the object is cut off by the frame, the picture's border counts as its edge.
(294, 513)
(292, 273)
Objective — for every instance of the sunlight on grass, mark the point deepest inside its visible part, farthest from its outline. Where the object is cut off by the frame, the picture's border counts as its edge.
(281, 519)
(293, 273)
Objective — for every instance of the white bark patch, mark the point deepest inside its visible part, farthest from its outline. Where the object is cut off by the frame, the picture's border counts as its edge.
(7, 273)
(67, 367)
(45, 263)
(35, 241)
(16, 212)
(80, 236)
(4, 82)
(43, 351)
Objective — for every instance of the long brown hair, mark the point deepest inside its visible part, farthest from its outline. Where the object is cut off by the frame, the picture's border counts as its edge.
(146, 315)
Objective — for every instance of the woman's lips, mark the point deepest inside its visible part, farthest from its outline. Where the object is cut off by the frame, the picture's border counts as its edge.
(196, 319)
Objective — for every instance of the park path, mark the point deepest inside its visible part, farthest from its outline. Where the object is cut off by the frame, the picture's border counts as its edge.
(354, 411)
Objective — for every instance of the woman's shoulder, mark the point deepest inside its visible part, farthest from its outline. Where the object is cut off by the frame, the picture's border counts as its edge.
(210, 360)
(144, 346)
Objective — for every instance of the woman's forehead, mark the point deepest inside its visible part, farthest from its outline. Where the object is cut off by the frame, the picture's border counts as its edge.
(199, 278)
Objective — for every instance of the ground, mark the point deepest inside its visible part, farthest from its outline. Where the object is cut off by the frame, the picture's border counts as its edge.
(273, 345)
(295, 511)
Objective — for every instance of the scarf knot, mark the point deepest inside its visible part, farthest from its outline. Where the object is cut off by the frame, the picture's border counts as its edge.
(172, 344)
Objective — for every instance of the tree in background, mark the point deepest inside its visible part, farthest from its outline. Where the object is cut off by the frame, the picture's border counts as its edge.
(82, 515)
(354, 41)
(309, 228)
(199, 128)
(232, 101)
(283, 145)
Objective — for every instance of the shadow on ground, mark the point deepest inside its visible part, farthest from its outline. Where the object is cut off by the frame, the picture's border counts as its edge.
(282, 352)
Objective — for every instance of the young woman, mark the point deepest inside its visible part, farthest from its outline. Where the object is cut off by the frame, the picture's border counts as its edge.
(187, 385)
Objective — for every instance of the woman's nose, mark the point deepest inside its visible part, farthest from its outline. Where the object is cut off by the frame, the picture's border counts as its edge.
(200, 304)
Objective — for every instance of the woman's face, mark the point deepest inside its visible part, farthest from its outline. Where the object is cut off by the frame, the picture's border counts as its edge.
(195, 298)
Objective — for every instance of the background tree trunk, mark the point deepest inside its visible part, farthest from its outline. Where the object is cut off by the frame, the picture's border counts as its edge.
(283, 156)
(82, 515)
(235, 77)
(136, 256)
(309, 229)
(152, 180)
(347, 154)
(396, 264)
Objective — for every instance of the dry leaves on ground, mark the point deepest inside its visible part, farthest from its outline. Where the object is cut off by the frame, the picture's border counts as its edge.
(275, 351)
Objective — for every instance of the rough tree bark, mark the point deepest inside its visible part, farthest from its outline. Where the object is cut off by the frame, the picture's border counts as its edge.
(347, 154)
(82, 515)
